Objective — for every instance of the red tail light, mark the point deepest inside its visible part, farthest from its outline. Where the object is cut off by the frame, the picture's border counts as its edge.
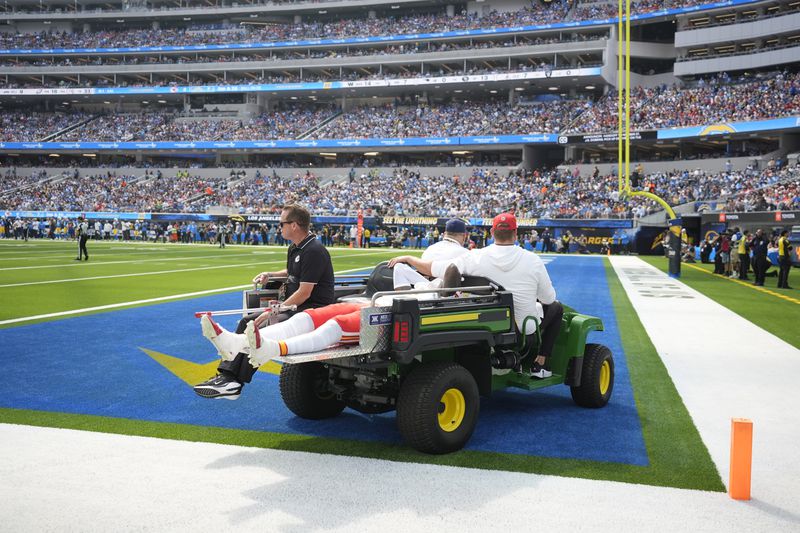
(401, 330)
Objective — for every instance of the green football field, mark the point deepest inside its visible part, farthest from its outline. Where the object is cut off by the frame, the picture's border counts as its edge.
(42, 282)
(42, 277)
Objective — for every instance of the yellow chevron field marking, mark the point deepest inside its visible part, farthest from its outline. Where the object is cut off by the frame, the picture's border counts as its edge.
(193, 373)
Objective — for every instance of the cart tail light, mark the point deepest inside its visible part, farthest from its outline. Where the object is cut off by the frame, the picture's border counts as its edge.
(401, 333)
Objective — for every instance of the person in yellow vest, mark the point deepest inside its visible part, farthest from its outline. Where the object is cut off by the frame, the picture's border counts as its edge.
(784, 260)
(566, 237)
(744, 254)
(367, 235)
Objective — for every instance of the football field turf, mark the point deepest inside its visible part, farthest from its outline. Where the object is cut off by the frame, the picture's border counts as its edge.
(112, 346)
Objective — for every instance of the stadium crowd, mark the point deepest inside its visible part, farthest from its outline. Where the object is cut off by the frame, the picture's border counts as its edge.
(707, 101)
(111, 192)
(294, 54)
(564, 193)
(555, 11)
(537, 13)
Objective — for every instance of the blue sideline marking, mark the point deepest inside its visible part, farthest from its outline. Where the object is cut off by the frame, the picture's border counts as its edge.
(92, 365)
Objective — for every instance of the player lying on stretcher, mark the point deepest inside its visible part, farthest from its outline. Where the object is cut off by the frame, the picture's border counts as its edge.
(313, 330)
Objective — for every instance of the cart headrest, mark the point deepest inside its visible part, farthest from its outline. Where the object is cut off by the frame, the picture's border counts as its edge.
(381, 279)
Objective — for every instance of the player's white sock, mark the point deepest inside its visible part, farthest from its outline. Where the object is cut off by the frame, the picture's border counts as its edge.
(327, 334)
(228, 344)
(296, 325)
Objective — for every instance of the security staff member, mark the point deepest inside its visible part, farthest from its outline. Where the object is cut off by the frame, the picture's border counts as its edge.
(744, 254)
(760, 261)
(83, 236)
(309, 284)
(784, 260)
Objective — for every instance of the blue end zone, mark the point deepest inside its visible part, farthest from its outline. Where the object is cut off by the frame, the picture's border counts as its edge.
(93, 365)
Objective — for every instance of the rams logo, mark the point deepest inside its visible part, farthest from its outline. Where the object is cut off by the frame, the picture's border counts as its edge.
(717, 129)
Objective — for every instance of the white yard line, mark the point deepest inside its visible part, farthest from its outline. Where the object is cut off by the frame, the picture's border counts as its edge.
(136, 261)
(724, 366)
(139, 302)
(112, 482)
(154, 273)
(122, 304)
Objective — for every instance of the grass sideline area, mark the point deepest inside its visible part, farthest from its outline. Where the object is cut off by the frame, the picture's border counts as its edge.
(775, 310)
(42, 277)
(677, 455)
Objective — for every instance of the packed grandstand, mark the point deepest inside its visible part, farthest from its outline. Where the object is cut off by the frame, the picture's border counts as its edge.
(430, 110)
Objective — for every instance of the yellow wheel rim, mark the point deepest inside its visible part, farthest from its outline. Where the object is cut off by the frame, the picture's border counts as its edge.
(452, 409)
(605, 377)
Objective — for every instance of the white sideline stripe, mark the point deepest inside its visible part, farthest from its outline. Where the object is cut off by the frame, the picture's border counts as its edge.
(724, 367)
(137, 261)
(272, 489)
(154, 273)
(140, 302)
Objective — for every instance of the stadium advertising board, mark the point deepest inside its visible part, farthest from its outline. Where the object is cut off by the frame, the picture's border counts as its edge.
(379, 39)
(775, 218)
(726, 128)
(607, 137)
(279, 144)
(309, 86)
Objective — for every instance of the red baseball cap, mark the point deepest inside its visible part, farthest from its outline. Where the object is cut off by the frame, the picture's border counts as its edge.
(504, 221)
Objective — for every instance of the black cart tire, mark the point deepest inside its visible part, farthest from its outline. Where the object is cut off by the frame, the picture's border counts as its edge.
(597, 377)
(304, 389)
(437, 408)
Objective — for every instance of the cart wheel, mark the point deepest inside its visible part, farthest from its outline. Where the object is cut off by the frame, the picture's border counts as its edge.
(304, 389)
(437, 408)
(597, 377)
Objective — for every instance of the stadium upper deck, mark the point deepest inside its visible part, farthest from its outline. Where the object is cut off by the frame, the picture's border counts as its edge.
(525, 85)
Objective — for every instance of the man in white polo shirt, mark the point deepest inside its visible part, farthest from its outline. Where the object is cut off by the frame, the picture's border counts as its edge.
(519, 271)
(452, 243)
(450, 247)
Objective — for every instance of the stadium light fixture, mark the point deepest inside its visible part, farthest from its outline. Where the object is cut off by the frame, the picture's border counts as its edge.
(328, 154)
(519, 88)
(461, 152)
(493, 91)
(590, 87)
(323, 11)
(187, 18)
(553, 88)
(293, 97)
(106, 102)
(370, 154)
(54, 155)
(89, 155)
(458, 91)
(162, 101)
(395, 7)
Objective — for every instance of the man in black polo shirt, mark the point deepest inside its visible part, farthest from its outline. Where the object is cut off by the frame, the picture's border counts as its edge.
(309, 273)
